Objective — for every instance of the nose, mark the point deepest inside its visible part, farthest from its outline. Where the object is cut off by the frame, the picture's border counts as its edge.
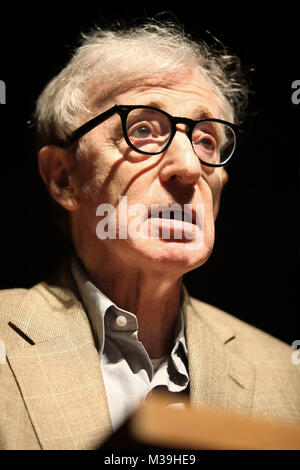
(180, 161)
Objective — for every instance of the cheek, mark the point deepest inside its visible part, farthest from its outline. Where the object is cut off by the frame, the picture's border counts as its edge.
(96, 171)
(213, 179)
(216, 195)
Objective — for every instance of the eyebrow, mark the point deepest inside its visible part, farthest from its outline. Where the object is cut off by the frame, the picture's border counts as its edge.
(200, 113)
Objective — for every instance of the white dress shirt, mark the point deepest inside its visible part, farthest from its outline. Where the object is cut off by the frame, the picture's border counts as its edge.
(128, 372)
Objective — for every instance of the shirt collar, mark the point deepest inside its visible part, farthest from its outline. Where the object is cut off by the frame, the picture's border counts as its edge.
(97, 304)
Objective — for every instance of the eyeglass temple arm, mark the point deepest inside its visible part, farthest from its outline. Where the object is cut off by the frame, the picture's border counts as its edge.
(88, 126)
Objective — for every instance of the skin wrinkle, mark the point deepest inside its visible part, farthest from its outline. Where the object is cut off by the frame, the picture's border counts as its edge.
(98, 104)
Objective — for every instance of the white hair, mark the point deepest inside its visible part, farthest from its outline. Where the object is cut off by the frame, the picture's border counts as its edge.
(120, 58)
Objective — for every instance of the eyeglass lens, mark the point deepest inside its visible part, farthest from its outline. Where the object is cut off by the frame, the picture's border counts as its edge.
(150, 131)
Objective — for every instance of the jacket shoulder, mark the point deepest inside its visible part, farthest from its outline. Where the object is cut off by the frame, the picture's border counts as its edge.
(274, 364)
(10, 299)
(49, 303)
(249, 340)
(14, 296)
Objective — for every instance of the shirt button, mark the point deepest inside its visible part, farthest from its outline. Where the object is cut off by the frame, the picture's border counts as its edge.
(121, 321)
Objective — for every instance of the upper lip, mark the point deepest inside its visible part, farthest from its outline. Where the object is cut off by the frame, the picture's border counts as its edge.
(173, 211)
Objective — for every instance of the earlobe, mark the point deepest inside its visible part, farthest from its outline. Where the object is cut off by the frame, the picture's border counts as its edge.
(54, 167)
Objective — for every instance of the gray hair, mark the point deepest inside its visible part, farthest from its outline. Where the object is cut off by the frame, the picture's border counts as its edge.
(121, 57)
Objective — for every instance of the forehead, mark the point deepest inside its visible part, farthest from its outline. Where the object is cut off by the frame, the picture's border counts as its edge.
(188, 94)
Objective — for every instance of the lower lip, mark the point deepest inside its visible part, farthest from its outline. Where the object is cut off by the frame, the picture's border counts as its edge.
(172, 229)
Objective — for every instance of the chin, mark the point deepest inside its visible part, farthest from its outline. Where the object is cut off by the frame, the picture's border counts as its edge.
(168, 256)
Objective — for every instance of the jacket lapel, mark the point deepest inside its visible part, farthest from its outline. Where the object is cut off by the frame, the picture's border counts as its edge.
(59, 377)
(218, 376)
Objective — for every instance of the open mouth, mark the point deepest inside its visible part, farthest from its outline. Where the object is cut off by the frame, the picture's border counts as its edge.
(186, 215)
(174, 222)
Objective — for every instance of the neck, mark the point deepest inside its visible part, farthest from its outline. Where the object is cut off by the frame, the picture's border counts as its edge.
(153, 297)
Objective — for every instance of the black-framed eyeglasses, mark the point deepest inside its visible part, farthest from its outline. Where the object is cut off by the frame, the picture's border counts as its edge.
(150, 131)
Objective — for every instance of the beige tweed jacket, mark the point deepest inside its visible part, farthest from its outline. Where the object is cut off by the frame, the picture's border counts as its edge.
(52, 394)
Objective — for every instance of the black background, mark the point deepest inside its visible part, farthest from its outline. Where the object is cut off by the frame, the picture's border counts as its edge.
(253, 271)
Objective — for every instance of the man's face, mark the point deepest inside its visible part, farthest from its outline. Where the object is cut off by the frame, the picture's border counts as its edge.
(108, 168)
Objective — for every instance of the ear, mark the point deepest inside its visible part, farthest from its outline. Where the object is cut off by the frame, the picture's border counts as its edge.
(55, 165)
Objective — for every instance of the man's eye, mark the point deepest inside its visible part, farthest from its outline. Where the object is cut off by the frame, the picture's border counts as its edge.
(205, 144)
(142, 132)
(208, 144)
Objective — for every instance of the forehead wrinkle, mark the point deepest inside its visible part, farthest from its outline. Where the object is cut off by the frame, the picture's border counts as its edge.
(187, 82)
(200, 113)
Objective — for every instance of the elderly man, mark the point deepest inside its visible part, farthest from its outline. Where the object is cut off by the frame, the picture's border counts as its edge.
(133, 135)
